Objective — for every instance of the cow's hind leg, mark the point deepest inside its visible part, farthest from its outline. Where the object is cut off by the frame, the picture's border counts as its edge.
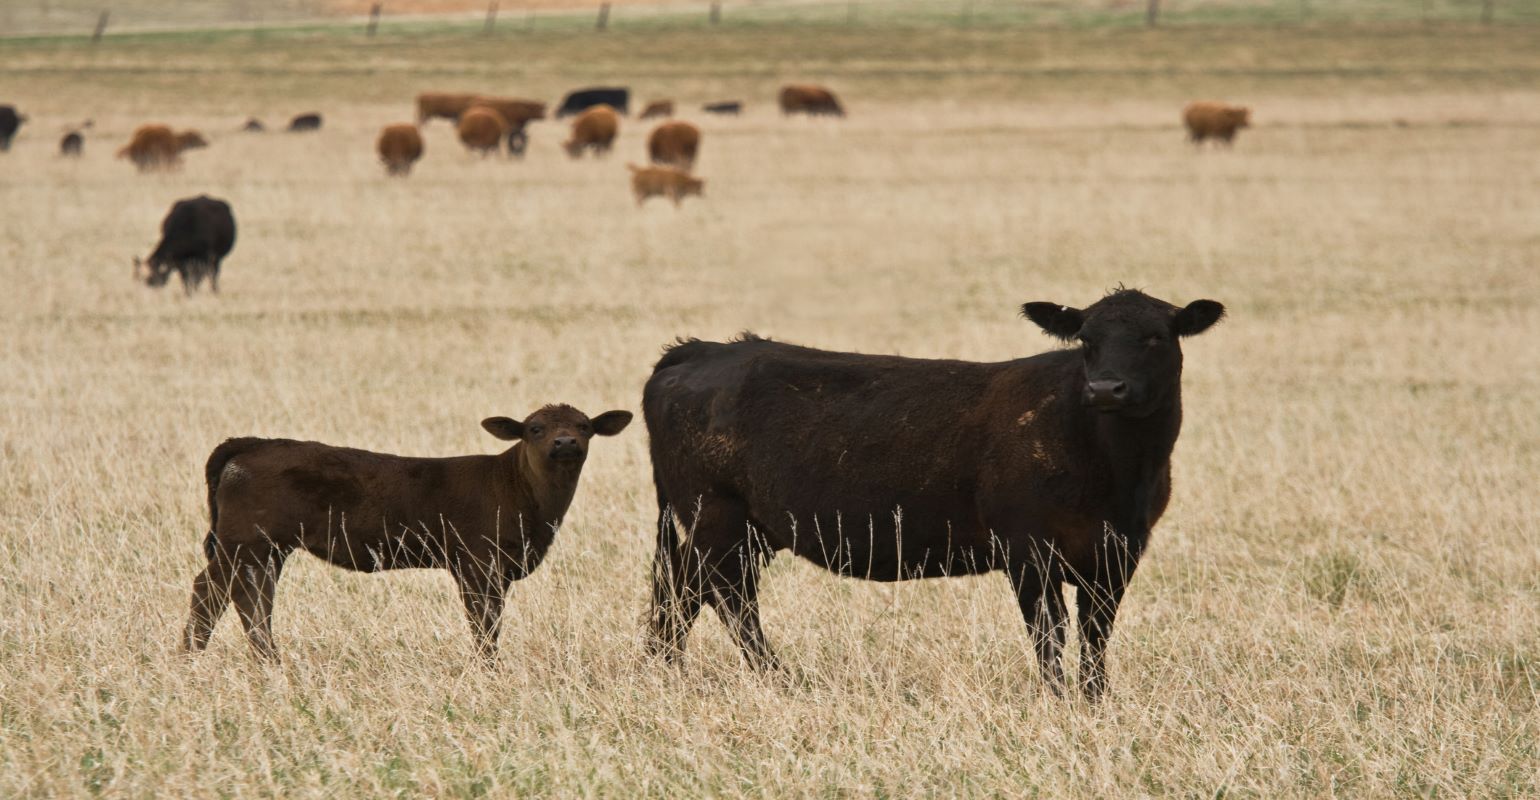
(257, 570)
(1037, 575)
(676, 596)
(729, 556)
(210, 596)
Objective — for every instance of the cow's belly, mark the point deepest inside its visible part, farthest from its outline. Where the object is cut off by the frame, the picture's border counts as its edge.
(874, 548)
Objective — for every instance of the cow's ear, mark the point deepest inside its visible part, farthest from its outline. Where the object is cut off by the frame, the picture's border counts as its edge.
(1197, 317)
(611, 422)
(1061, 322)
(504, 428)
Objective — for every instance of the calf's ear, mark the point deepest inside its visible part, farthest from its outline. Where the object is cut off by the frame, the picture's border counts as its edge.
(1058, 321)
(611, 422)
(504, 428)
(1197, 317)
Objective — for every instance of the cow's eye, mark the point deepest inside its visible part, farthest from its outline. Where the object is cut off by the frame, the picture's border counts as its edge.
(536, 430)
(1154, 341)
(585, 430)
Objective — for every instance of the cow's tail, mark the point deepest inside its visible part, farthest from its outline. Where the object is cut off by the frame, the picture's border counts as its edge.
(211, 474)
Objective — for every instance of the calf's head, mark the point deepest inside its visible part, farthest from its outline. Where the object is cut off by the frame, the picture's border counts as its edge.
(1130, 346)
(153, 272)
(557, 436)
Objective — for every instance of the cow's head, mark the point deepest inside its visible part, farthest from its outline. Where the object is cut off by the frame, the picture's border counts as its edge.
(153, 272)
(1130, 346)
(1240, 116)
(689, 186)
(190, 140)
(557, 436)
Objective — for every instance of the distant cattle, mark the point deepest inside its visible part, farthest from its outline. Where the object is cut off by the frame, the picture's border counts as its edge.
(1207, 120)
(253, 125)
(658, 108)
(667, 182)
(1053, 468)
(305, 122)
(449, 105)
(9, 122)
(481, 129)
(515, 112)
(674, 143)
(194, 238)
(728, 107)
(594, 130)
(488, 519)
(518, 141)
(810, 100)
(617, 98)
(72, 144)
(399, 146)
(156, 147)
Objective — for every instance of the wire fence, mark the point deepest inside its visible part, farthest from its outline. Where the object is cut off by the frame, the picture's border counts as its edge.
(101, 18)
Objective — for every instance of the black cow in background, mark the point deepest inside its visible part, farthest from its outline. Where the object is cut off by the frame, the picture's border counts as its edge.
(730, 107)
(305, 122)
(1053, 468)
(618, 98)
(9, 122)
(195, 237)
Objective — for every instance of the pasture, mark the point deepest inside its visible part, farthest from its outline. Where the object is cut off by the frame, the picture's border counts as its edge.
(1344, 598)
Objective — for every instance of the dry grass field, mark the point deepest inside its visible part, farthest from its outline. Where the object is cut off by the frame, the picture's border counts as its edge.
(1344, 598)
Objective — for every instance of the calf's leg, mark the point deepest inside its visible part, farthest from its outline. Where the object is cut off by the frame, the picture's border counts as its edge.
(676, 592)
(210, 596)
(482, 587)
(1037, 576)
(723, 544)
(257, 570)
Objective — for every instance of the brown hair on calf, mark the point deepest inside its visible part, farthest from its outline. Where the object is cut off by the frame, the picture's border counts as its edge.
(488, 519)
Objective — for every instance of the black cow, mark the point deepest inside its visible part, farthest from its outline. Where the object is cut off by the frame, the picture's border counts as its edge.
(618, 98)
(1053, 468)
(9, 122)
(305, 122)
(194, 238)
(732, 107)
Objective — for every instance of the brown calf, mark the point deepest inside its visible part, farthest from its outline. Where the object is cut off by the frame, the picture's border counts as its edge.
(1205, 120)
(664, 181)
(658, 108)
(675, 144)
(488, 519)
(811, 100)
(400, 146)
(156, 147)
(594, 129)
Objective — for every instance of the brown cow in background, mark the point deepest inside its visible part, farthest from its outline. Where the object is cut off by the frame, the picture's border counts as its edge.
(517, 113)
(810, 100)
(667, 182)
(675, 144)
(481, 129)
(156, 147)
(1208, 120)
(400, 146)
(449, 105)
(658, 108)
(594, 129)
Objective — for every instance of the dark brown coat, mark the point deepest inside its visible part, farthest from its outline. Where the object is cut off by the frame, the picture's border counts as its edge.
(488, 519)
(481, 129)
(1053, 468)
(72, 144)
(1206, 120)
(811, 100)
(664, 182)
(595, 130)
(157, 147)
(675, 144)
(400, 146)
(658, 108)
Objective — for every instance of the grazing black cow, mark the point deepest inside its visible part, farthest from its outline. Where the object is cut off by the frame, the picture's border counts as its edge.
(9, 122)
(305, 122)
(1053, 468)
(618, 98)
(72, 144)
(194, 238)
(732, 107)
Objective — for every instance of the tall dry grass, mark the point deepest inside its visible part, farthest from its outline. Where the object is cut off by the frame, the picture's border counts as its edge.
(1343, 598)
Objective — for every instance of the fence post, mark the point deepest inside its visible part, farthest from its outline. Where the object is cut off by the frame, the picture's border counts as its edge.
(716, 12)
(101, 27)
(1151, 13)
(374, 19)
(604, 17)
(491, 17)
(1486, 11)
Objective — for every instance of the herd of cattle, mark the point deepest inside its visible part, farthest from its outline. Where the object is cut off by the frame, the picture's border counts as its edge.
(1053, 468)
